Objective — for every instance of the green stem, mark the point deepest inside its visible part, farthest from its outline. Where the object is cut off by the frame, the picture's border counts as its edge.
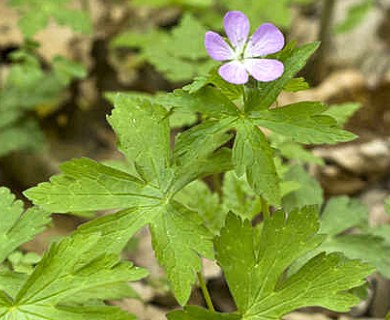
(205, 291)
(265, 209)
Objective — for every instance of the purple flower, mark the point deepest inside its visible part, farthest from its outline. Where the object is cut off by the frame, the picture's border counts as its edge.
(244, 55)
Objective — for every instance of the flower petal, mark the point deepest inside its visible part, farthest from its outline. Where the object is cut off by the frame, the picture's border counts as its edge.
(264, 70)
(234, 72)
(267, 39)
(217, 47)
(237, 27)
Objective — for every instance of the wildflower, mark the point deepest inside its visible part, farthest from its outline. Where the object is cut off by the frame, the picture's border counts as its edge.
(245, 56)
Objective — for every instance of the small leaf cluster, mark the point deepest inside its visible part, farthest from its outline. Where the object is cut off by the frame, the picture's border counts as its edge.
(178, 54)
(30, 89)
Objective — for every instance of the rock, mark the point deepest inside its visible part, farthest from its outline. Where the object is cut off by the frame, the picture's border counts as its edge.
(374, 199)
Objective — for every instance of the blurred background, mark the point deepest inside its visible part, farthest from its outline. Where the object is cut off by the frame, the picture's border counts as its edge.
(61, 59)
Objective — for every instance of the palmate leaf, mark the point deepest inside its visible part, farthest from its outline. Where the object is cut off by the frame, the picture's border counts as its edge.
(143, 135)
(18, 226)
(255, 269)
(73, 266)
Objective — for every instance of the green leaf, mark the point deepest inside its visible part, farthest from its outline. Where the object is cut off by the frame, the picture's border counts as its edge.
(119, 227)
(179, 254)
(196, 313)
(143, 136)
(208, 101)
(181, 54)
(172, 226)
(195, 153)
(11, 282)
(18, 226)
(356, 14)
(382, 231)
(341, 214)
(254, 269)
(177, 118)
(365, 247)
(72, 267)
(231, 91)
(292, 150)
(33, 20)
(22, 136)
(23, 263)
(304, 122)
(66, 270)
(86, 185)
(239, 197)
(42, 312)
(67, 70)
(262, 11)
(253, 155)
(198, 197)
(310, 192)
(342, 112)
(296, 84)
(293, 60)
